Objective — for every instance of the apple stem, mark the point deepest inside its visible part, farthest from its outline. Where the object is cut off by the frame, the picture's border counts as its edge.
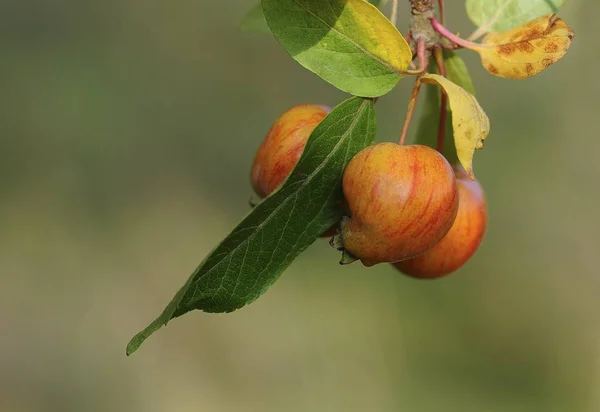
(439, 61)
(444, 32)
(423, 64)
(411, 110)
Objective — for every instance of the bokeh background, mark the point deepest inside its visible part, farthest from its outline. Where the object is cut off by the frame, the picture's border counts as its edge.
(127, 130)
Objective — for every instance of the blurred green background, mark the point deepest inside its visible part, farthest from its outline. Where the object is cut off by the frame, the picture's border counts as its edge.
(126, 137)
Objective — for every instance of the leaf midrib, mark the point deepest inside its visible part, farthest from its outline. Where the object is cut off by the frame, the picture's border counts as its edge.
(358, 46)
(285, 202)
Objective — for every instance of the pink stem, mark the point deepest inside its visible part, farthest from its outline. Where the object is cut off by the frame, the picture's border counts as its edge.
(439, 59)
(439, 27)
(423, 62)
(441, 8)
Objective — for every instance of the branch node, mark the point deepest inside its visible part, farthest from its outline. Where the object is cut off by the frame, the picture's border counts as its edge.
(421, 6)
(420, 25)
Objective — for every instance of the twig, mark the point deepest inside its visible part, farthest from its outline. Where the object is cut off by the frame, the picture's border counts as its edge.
(394, 15)
(422, 55)
(439, 61)
(411, 110)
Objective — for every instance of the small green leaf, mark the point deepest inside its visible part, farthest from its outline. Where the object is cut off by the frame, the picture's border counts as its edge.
(255, 21)
(348, 43)
(280, 227)
(501, 15)
(427, 129)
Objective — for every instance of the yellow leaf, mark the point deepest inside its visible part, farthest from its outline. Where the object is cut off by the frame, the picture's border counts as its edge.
(384, 40)
(348, 43)
(526, 50)
(469, 122)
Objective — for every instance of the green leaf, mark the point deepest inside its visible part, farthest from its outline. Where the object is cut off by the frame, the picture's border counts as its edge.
(348, 43)
(280, 227)
(501, 15)
(255, 21)
(427, 129)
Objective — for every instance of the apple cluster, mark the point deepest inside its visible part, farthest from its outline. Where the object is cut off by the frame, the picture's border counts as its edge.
(406, 204)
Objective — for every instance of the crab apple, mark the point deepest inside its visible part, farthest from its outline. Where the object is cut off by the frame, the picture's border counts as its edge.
(463, 239)
(282, 147)
(402, 201)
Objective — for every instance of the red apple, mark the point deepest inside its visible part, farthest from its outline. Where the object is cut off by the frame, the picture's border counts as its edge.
(282, 147)
(402, 201)
(463, 239)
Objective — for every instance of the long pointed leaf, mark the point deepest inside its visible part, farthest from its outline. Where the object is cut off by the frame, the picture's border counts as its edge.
(282, 226)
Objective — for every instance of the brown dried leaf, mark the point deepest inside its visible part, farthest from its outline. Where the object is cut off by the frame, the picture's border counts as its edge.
(526, 50)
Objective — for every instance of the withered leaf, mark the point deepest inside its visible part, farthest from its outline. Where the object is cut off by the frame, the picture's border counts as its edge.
(525, 50)
(469, 122)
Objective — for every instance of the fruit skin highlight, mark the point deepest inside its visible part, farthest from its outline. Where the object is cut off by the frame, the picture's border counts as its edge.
(463, 239)
(282, 147)
(402, 202)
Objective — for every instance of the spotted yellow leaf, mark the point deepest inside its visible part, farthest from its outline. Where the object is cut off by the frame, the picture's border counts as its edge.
(469, 122)
(526, 50)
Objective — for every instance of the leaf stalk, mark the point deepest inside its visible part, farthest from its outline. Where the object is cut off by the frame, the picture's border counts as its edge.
(444, 32)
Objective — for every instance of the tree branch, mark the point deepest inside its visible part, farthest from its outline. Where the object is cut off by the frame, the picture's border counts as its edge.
(420, 25)
(421, 6)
